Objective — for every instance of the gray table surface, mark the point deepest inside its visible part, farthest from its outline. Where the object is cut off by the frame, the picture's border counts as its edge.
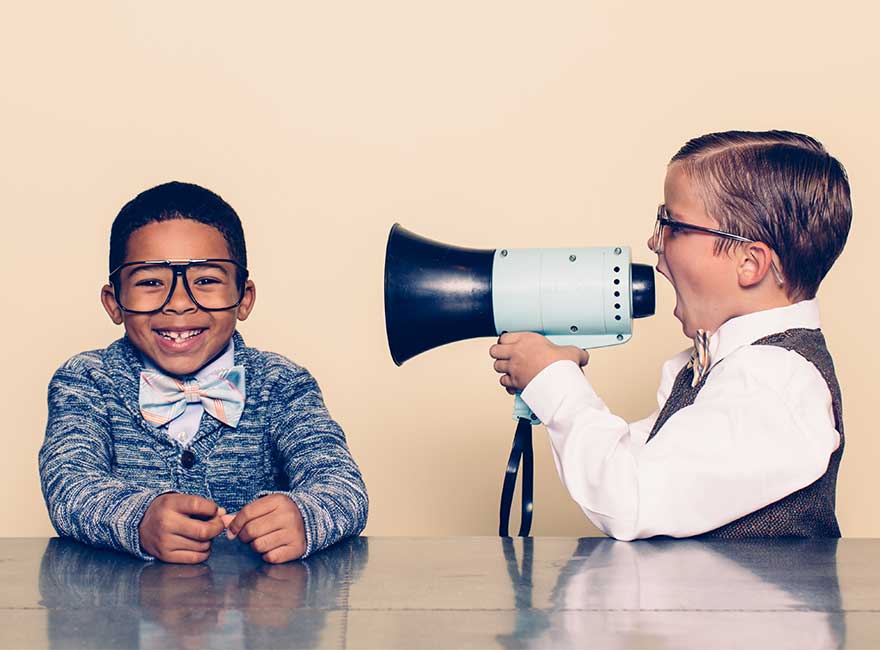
(457, 592)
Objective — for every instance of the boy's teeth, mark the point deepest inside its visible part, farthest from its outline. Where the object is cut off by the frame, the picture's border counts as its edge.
(179, 336)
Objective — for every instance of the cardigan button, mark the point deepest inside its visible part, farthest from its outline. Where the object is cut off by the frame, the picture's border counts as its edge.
(187, 458)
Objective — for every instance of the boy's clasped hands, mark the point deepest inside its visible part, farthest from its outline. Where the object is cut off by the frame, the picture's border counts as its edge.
(180, 528)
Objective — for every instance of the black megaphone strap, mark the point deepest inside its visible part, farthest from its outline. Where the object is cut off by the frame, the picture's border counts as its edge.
(521, 449)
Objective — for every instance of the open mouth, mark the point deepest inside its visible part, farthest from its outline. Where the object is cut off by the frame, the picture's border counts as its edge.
(179, 336)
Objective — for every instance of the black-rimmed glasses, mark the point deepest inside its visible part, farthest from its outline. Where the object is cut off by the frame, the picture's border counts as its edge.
(664, 221)
(146, 286)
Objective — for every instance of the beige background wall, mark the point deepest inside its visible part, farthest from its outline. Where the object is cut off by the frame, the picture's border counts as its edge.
(482, 124)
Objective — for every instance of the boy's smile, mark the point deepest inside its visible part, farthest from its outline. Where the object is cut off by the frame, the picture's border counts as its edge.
(175, 340)
(181, 338)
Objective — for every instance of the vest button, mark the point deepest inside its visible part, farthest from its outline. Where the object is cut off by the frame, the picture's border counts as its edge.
(187, 458)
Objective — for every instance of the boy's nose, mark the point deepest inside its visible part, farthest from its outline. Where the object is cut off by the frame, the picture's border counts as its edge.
(180, 302)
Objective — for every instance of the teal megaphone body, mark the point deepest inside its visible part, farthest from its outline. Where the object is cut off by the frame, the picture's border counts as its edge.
(586, 297)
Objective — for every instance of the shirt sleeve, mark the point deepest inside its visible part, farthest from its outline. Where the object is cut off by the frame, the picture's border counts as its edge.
(324, 480)
(85, 501)
(761, 428)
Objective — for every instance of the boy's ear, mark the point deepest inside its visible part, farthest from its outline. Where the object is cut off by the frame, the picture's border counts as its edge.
(247, 303)
(108, 299)
(755, 263)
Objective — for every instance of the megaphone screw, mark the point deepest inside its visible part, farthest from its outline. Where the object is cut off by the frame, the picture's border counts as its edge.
(620, 337)
(618, 251)
(504, 252)
(572, 258)
(573, 329)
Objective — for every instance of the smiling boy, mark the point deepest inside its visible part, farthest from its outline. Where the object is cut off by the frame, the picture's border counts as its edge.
(748, 434)
(151, 441)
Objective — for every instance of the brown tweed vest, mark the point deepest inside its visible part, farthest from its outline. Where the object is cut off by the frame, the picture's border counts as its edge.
(809, 512)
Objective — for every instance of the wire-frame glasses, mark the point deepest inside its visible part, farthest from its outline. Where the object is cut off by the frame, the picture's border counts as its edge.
(664, 221)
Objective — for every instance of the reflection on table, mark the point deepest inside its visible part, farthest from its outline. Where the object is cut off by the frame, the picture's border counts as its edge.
(662, 579)
(103, 599)
(449, 592)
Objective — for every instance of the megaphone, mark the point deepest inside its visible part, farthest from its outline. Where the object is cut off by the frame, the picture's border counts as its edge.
(436, 294)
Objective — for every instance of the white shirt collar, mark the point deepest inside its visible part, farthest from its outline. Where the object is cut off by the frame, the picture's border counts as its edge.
(225, 360)
(746, 329)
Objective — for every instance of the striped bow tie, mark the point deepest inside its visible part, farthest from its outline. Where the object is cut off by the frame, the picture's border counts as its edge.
(163, 398)
(700, 357)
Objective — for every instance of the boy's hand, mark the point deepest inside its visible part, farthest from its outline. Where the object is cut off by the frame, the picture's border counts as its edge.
(179, 528)
(522, 355)
(273, 526)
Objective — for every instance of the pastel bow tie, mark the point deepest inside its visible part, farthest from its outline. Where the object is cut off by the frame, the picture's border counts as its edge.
(700, 357)
(163, 398)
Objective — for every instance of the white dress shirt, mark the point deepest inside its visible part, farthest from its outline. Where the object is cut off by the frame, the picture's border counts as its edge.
(761, 427)
(185, 426)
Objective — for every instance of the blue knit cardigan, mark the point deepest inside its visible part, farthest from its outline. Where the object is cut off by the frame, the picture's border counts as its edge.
(102, 464)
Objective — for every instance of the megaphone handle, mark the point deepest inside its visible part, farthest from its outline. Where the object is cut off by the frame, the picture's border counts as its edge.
(522, 449)
(522, 410)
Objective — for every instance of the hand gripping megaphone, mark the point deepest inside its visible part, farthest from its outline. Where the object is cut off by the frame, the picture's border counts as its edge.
(436, 294)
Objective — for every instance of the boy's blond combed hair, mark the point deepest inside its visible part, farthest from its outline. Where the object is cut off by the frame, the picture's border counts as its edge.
(776, 187)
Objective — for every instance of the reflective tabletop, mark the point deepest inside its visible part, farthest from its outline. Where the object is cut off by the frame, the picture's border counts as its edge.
(467, 592)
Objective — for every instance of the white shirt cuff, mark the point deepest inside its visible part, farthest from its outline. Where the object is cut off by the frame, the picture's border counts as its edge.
(557, 386)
